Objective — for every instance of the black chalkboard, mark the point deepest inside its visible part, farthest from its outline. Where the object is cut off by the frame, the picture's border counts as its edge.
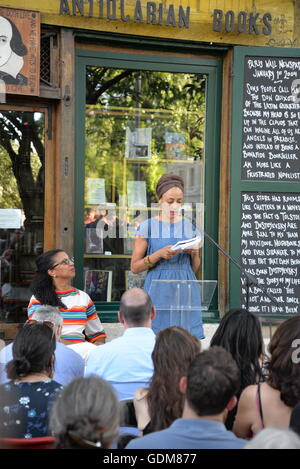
(270, 250)
(271, 119)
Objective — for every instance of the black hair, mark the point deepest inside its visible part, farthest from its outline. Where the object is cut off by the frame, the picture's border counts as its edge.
(295, 419)
(33, 351)
(16, 42)
(42, 285)
(212, 380)
(239, 333)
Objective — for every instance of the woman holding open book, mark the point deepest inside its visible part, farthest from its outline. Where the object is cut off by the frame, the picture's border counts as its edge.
(167, 268)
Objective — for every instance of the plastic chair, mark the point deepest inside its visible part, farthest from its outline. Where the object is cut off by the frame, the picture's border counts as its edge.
(44, 442)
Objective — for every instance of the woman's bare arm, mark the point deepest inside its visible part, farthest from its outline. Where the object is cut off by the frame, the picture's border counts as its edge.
(139, 252)
(246, 413)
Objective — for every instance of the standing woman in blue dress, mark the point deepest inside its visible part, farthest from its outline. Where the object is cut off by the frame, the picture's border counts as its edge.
(152, 253)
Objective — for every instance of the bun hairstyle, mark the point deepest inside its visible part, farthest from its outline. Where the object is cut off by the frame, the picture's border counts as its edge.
(42, 285)
(166, 182)
(33, 351)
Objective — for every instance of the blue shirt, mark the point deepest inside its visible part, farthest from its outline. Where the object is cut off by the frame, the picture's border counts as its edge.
(190, 434)
(67, 366)
(125, 362)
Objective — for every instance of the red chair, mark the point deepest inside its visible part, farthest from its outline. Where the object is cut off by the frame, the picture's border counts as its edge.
(44, 442)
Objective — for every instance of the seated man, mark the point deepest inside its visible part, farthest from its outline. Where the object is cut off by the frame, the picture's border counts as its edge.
(209, 388)
(68, 364)
(126, 361)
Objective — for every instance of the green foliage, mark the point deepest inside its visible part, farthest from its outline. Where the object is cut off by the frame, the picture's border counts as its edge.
(22, 162)
(164, 102)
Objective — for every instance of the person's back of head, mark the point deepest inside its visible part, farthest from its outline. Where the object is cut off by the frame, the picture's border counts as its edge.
(283, 367)
(295, 419)
(136, 308)
(49, 315)
(86, 415)
(173, 352)
(212, 381)
(33, 351)
(240, 333)
(274, 438)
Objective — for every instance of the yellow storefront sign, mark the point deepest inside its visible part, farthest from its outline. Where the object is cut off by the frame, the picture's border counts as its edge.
(245, 22)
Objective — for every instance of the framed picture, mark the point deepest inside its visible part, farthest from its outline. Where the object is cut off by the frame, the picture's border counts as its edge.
(20, 50)
(97, 284)
(175, 145)
(136, 194)
(93, 242)
(138, 143)
(134, 280)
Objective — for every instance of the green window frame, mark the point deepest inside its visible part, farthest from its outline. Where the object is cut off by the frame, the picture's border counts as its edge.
(212, 68)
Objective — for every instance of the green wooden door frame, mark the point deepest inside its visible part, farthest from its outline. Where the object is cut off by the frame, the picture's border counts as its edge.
(210, 67)
(238, 185)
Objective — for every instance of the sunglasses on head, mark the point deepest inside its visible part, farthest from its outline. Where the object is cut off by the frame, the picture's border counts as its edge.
(67, 261)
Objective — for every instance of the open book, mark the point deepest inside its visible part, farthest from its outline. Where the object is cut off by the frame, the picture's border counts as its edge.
(192, 243)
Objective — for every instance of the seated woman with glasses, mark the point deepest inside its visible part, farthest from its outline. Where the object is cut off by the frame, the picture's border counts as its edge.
(51, 285)
(26, 399)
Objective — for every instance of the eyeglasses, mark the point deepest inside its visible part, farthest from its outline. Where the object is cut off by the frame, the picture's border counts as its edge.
(67, 261)
(34, 321)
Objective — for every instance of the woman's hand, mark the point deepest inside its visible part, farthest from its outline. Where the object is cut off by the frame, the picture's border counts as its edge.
(166, 252)
(191, 251)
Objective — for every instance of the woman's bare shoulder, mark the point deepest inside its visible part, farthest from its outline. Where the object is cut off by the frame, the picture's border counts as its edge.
(140, 393)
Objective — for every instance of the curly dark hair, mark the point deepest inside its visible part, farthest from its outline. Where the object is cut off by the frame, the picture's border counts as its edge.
(42, 285)
(173, 352)
(284, 372)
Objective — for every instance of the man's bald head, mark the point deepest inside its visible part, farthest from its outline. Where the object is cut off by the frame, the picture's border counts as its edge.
(136, 307)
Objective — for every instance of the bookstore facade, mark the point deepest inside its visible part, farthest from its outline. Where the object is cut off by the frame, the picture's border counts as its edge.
(98, 99)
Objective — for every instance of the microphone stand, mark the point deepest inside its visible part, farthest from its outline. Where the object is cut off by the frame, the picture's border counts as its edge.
(250, 279)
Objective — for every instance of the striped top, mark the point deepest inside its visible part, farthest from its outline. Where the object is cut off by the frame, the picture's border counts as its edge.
(80, 318)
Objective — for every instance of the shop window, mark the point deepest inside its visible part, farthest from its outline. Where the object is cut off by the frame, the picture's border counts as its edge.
(138, 126)
(22, 174)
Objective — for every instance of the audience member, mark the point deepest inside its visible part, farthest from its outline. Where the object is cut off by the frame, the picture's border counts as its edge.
(126, 362)
(209, 388)
(27, 397)
(270, 404)
(90, 215)
(274, 438)
(52, 286)
(295, 419)
(68, 364)
(86, 415)
(159, 405)
(239, 333)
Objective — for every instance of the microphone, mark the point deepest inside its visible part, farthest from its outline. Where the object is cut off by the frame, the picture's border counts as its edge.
(250, 279)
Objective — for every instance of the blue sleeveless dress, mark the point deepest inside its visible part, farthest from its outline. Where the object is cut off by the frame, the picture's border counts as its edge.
(165, 295)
